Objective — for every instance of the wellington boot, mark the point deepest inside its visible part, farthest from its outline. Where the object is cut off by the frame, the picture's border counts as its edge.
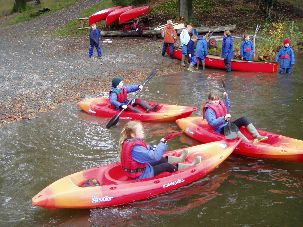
(196, 161)
(241, 136)
(183, 61)
(133, 109)
(145, 105)
(191, 68)
(154, 108)
(251, 128)
(198, 64)
(175, 159)
(203, 65)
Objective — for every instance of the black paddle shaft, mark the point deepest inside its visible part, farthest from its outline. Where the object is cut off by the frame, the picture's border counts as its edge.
(230, 130)
(114, 120)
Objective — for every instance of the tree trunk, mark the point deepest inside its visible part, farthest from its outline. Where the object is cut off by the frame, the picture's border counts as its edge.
(19, 5)
(185, 9)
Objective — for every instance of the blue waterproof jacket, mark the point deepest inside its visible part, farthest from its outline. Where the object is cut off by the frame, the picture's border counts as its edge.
(191, 47)
(148, 155)
(247, 50)
(217, 123)
(201, 48)
(286, 56)
(113, 95)
(228, 47)
(94, 37)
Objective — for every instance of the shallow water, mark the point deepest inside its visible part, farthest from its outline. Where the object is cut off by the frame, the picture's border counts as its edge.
(241, 192)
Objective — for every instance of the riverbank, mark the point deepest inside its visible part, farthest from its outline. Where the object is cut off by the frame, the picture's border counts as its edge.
(41, 71)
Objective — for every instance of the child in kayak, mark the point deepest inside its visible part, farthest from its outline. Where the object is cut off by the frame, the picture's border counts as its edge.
(286, 57)
(140, 160)
(216, 112)
(118, 97)
(247, 49)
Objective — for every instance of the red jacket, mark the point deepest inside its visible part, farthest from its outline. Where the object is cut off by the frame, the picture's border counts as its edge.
(220, 110)
(121, 96)
(169, 34)
(132, 168)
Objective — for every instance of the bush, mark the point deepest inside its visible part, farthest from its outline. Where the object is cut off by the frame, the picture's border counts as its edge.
(272, 36)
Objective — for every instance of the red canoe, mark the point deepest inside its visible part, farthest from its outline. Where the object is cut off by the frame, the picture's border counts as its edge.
(114, 15)
(101, 15)
(116, 189)
(275, 147)
(101, 107)
(236, 65)
(133, 13)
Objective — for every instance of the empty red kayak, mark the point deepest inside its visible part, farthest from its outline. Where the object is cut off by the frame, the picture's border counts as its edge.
(114, 15)
(236, 65)
(109, 186)
(101, 107)
(133, 13)
(101, 15)
(275, 147)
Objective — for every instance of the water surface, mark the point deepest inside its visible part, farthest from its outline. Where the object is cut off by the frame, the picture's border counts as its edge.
(241, 192)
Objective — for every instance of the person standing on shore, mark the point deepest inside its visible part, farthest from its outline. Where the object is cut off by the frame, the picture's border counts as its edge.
(170, 35)
(191, 52)
(227, 49)
(94, 41)
(247, 49)
(184, 39)
(286, 57)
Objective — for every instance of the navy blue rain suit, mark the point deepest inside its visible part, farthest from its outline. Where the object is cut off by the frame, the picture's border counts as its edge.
(228, 51)
(94, 41)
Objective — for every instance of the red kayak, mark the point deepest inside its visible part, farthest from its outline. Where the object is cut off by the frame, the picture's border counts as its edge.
(275, 147)
(236, 65)
(101, 15)
(133, 13)
(114, 15)
(101, 107)
(106, 186)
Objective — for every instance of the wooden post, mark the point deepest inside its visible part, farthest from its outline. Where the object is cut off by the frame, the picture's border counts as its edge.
(255, 35)
(185, 9)
(83, 22)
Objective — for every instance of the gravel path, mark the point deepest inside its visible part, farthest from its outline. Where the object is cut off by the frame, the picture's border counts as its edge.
(39, 71)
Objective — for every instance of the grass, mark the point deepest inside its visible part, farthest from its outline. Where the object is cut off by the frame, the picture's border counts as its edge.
(71, 28)
(6, 7)
(31, 10)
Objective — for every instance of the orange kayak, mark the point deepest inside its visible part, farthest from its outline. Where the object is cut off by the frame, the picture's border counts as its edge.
(101, 107)
(112, 187)
(275, 147)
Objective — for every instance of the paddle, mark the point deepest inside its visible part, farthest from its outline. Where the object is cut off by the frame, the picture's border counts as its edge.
(114, 120)
(230, 130)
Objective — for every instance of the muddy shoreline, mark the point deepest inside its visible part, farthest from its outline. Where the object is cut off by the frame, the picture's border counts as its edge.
(44, 71)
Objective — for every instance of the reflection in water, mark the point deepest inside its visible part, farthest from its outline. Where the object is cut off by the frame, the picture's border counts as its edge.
(242, 191)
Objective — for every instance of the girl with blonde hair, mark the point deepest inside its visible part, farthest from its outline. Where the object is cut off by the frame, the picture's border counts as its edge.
(140, 160)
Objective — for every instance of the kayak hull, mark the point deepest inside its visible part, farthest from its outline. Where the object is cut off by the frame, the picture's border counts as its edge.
(133, 13)
(277, 147)
(101, 15)
(101, 107)
(236, 65)
(114, 15)
(116, 189)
